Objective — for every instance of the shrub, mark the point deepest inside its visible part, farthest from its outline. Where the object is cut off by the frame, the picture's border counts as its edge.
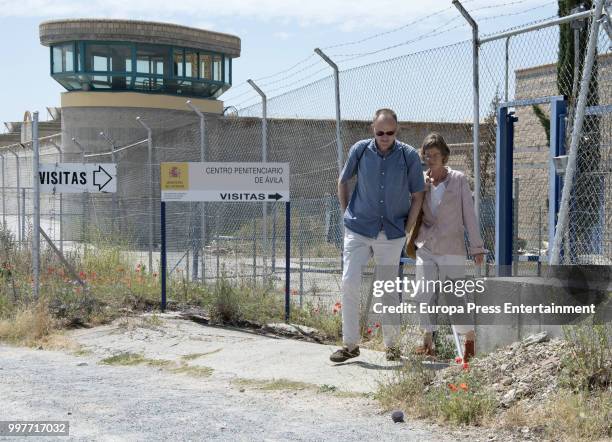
(587, 365)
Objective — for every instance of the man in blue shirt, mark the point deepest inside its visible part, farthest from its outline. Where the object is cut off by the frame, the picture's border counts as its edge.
(383, 207)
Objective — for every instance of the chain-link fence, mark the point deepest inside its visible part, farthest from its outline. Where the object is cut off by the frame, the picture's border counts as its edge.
(430, 90)
(586, 235)
(535, 69)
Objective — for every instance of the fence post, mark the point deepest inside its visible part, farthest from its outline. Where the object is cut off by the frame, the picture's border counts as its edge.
(337, 96)
(339, 149)
(515, 222)
(36, 208)
(264, 158)
(254, 251)
(577, 129)
(84, 196)
(273, 253)
(506, 68)
(3, 193)
(558, 113)
(23, 214)
(61, 201)
(18, 195)
(114, 195)
(503, 190)
(163, 264)
(301, 249)
(217, 243)
(203, 149)
(476, 97)
(287, 260)
(150, 177)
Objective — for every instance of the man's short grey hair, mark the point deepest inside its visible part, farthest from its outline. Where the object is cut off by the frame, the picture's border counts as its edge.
(385, 112)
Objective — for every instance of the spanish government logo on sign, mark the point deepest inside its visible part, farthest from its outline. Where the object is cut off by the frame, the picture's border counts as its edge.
(77, 177)
(225, 182)
(175, 176)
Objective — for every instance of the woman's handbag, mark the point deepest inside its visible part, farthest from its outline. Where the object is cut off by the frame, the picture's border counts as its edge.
(410, 246)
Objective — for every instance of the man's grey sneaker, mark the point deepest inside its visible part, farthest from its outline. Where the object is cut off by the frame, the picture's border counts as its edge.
(393, 354)
(343, 354)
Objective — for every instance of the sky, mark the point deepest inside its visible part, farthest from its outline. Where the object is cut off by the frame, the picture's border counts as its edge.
(278, 37)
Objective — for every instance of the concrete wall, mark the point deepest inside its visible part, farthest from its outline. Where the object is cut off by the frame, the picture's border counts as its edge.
(564, 286)
(309, 145)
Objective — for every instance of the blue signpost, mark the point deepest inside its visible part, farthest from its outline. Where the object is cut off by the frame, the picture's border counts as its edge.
(162, 273)
(504, 171)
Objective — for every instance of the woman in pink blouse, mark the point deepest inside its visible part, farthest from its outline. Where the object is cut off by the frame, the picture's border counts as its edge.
(448, 212)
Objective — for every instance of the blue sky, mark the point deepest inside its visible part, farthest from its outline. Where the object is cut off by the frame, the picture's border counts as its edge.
(276, 35)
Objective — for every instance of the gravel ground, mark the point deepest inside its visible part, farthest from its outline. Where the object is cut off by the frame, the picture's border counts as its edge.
(145, 403)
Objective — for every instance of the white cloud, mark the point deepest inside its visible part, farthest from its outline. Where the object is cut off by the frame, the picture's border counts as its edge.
(208, 25)
(281, 35)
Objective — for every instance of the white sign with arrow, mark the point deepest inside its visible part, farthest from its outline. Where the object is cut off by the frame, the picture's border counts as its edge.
(77, 177)
(225, 182)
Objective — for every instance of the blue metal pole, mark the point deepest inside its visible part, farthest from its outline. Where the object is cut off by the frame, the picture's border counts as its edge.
(558, 112)
(287, 258)
(503, 189)
(163, 256)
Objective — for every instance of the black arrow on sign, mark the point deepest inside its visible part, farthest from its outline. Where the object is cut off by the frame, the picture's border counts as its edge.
(275, 196)
(108, 178)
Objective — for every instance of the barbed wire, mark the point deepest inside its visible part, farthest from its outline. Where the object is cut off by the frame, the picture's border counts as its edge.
(511, 14)
(405, 43)
(381, 34)
(355, 42)
(354, 56)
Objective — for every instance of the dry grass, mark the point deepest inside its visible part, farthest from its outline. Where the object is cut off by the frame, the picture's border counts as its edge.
(192, 356)
(516, 416)
(276, 384)
(28, 325)
(196, 372)
(128, 358)
(565, 417)
(464, 401)
(577, 416)
(82, 352)
(117, 285)
(581, 409)
(131, 359)
(289, 385)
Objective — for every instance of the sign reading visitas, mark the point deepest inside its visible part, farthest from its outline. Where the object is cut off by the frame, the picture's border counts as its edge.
(77, 177)
(225, 182)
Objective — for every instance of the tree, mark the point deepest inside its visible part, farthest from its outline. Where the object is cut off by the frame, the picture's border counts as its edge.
(587, 195)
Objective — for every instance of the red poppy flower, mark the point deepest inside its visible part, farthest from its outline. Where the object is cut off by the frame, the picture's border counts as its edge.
(453, 387)
(466, 366)
(458, 360)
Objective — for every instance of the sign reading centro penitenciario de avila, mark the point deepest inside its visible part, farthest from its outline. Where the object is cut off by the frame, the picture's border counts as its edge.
(225, 182)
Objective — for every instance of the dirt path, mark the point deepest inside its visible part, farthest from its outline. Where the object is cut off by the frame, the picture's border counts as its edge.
(153, 402)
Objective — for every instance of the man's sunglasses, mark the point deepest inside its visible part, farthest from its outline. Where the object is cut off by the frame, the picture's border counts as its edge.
(380, 133)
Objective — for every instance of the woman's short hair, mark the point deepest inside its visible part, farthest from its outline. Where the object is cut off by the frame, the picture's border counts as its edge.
(435, 140)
